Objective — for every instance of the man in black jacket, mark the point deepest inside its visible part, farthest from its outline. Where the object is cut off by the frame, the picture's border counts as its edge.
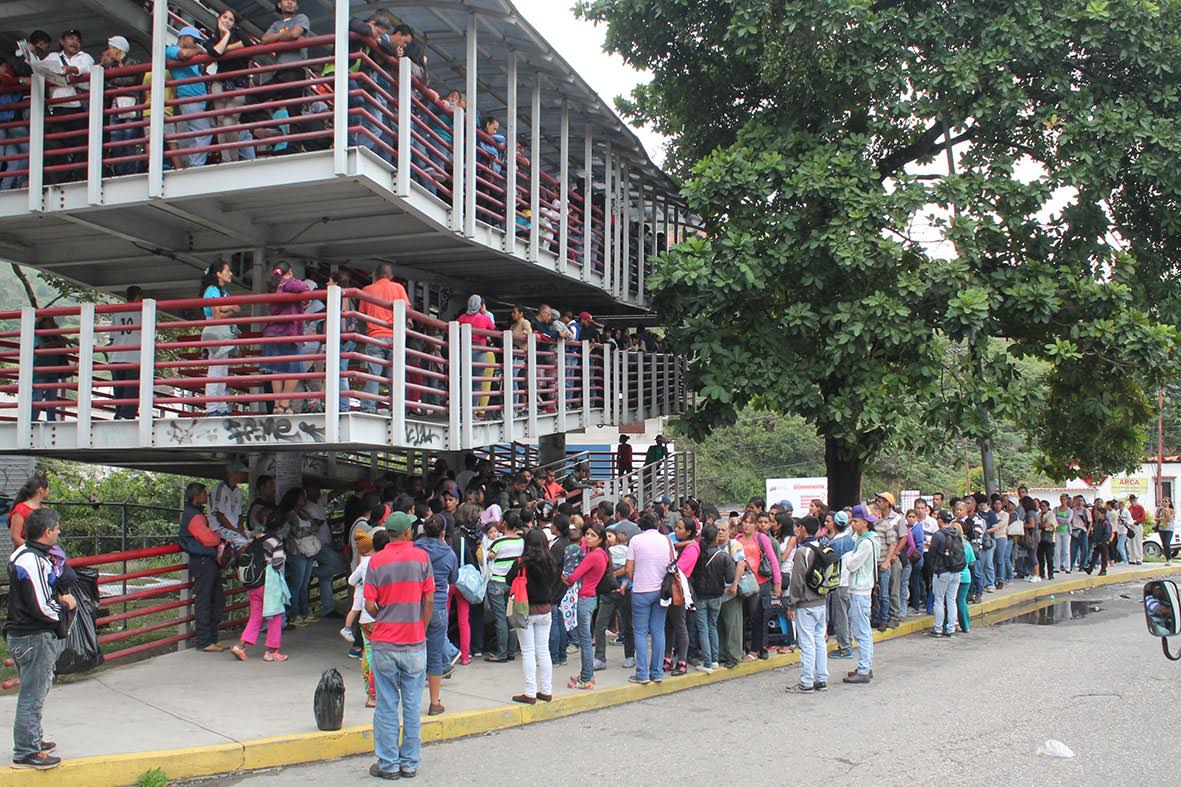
(712, 576)
(36, 610)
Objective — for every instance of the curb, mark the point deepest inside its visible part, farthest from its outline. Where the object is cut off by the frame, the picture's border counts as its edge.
(187, 763)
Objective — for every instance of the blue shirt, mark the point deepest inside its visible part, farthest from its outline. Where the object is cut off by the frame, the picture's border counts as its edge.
(918, 536)
(172, 52)
(842, 543)
(212, 291)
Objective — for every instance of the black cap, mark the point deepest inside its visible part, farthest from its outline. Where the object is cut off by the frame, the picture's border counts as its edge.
(945, 517)
(74, 32)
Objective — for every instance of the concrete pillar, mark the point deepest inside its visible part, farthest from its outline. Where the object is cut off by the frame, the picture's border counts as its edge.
(551, 448)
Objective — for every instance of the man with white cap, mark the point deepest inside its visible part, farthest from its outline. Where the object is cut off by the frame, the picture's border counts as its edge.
(857, 574)
(192, 94)
(116, 56)
(477, 316)
(66, 116)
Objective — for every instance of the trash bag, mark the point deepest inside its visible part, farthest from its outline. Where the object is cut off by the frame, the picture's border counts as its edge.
(329, 701)
(1055, 748)
(82, 651)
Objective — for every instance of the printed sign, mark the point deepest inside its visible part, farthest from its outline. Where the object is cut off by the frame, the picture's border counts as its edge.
(800, 491)
(1122, 486)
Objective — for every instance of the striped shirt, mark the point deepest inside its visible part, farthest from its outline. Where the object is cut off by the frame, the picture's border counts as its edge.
(503, 553)
(398, 579)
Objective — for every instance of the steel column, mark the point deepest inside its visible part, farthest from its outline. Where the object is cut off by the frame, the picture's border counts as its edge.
(457, 173)
(94, 139)
(535, 173)
(85, 373)
(37, 144)
(156, 103)
(466, 389)
(405, 101)
(332, 310)
(564, 189)
(24, 378)
(147, 370)
(469, 147)
(588, 193)
(340, 89)
(453, 376)
(510, 408)
(398, 374)
(510, 154)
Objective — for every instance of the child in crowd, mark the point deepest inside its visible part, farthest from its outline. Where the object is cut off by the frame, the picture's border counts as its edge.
(367, 545)
(275, 557)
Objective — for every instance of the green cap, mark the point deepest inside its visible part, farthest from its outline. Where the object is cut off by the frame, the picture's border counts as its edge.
(398, 523)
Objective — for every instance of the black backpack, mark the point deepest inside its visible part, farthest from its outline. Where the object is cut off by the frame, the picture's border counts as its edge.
(951, 552)
(252, 564)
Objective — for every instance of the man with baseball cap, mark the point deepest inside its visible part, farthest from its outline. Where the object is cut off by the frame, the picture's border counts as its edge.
(399, 594)
(891, 529)
(116, 56)
(841, 544)
(858, 567)
(67, 116)
(192, 94)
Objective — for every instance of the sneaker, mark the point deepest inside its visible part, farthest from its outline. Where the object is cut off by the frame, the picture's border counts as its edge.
(841, 654)
(708, 670)
(310, 619)
(346, 634)
(407, 773)
(857, 677)
(932, 633)
(456, 658)
(990, 589)
(855, 672)
(1089, 569)
(354, 653)
(629, 663)
(798, 688)
(820, 686)
(41, 761)
(1000, 585)
(47, 746)
(637, 680)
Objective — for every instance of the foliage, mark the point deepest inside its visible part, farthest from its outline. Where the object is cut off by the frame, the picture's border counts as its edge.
(807, 132)
(156, 777)
(17, 281)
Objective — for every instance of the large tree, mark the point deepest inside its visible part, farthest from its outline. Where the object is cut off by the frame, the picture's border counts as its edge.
(813, 140)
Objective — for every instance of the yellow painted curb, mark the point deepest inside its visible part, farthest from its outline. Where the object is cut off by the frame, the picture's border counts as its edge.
(122, 769)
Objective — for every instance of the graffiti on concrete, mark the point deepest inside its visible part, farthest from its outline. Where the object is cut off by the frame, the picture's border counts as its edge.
(272, 430)
(419, 435)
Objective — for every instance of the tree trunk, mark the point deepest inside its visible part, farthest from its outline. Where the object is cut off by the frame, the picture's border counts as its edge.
(988, 464)
(843, 467)
(26, 284)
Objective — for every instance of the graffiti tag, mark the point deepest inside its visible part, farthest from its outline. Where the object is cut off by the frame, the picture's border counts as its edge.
(419, 435)
(268, 430)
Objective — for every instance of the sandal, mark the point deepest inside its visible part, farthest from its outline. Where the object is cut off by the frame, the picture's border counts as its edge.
(239, 654)
(371, 702)
(274, 655)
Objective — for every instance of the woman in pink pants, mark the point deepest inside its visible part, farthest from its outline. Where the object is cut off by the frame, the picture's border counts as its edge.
(275, 556)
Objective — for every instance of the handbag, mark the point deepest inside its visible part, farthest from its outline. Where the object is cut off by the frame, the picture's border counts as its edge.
(518, 601)
(765, 569)
(748, 585)
(276, 593)
(471, 582)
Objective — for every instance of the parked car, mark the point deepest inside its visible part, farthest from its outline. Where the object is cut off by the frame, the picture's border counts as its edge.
(1152, 546)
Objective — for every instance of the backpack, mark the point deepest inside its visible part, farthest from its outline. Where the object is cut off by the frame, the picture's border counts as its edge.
(252, 564)
(952, 553)
(825, 573)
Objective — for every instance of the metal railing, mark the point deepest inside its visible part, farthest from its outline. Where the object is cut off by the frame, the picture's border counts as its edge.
(342, 92)
(326, 352)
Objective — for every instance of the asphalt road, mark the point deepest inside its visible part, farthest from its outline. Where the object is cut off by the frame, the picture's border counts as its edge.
(971, 711)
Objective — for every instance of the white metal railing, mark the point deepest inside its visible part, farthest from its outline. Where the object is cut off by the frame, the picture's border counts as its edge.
(675, 476)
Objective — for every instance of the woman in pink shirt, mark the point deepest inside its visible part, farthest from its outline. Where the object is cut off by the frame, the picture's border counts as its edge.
(477, 316)
(756, 546)
(281, 334)
(686, 533)
(589, 573)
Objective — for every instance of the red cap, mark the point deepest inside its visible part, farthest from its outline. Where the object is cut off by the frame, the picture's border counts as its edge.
(586, 316)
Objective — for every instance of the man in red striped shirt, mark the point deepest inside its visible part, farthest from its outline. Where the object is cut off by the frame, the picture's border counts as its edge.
(399, 594)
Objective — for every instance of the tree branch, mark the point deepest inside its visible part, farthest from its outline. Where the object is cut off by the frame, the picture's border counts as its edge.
(921, 147)
(24, 280)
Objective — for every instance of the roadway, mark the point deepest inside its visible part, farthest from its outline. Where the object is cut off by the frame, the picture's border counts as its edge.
(968, 711)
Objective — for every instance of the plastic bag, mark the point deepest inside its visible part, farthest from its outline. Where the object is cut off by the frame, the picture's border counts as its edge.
(1055, 748)
(328, 703)
(518, 602)
(82, 651)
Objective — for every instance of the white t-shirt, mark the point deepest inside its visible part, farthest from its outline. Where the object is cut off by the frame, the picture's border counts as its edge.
(316, 510)
(226, 500)
(128, 333)
(357, 580)
(81, 61)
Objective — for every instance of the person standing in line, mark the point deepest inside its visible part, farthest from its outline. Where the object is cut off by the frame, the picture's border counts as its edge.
(274, 557)
(127, 337)
(290, 26)
(838, 601)
(445, 567)
(961, 598)
(213, 285)
(478, 317)
(858, 572)
(1164, 528)
(947, 554)
(282, 337)
(807, 610)
(891, 529)
(400, 595)
(201, 545)
(1062, 517)
(589, 573)
(1003, 554)
(1123, 529)
(540, 576)
(1047, 521)
(379, 329)
(1136, 539)
(36, 606)
(730, 615)
(61, 117)
(1101, 534)
(1080, 524)
(648, 555)
(711, 579)
(758, 549)
(500, 556)
(29, 498)
(230, 78)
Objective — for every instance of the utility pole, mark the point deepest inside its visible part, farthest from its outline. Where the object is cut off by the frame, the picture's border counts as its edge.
(1160, 440)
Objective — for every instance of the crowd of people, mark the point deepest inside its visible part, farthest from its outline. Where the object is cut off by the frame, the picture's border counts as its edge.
(458, 564)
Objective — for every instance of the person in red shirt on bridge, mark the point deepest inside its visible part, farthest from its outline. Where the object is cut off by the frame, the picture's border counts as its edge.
(380, 328)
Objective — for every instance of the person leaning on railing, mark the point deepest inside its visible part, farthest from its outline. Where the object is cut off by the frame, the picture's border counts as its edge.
(283, 283)
(202, 546)
(115, 56)
(379, 328)
(187, 47)
(228, 38)
(213, 285)
(67, 116)
(291, 26)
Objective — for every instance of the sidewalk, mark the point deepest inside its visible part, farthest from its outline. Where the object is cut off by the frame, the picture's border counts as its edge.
(195, 713)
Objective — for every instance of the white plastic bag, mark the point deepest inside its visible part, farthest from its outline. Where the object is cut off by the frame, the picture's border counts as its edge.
(1053, 748)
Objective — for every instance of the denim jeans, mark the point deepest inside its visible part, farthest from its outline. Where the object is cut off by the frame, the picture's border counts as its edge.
(45, 395)
(881, 599)
(947, 584)
(907, 571)
(11, 148)
(535, 656)
(608, 603)
(559, 638)
(1121, 547)
(838, 613)
(35, 656)
(862, 633)
(648, 620)
(400, 675)
(1003, 559)
(1062, 551)
(917, 584)
(811, 624)
(1079, 543)
(436, 640)
(986, 560)
(209, 598)
(195, 124)
(706, 619)
(299, 573)
(123, 135)
(375, 368)
(506, 638)
(586, 648)
(329, 564)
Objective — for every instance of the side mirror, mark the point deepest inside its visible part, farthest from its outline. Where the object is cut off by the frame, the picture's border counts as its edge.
(1161, 608)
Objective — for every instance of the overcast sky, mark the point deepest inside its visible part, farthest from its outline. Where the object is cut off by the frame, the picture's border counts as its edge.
(581, 44)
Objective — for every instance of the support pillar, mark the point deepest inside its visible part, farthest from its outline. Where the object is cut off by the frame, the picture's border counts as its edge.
(551, 448)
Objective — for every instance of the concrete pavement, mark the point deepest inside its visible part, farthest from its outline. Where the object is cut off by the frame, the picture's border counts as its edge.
(969, 711)
(194, 713)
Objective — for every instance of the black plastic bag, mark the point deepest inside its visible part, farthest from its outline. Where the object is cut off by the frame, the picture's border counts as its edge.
(82, 651)
(329, 701)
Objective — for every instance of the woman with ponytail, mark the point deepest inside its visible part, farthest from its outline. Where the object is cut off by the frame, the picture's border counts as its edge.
(280, 337)
(213, 285)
